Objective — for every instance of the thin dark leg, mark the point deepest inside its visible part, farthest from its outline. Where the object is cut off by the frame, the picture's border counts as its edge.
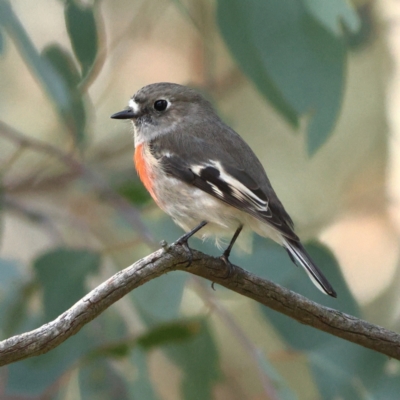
(184, 238)
(227, 252)
(183, 241)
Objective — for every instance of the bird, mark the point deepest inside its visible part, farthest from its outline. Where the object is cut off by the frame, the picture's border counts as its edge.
(204, 175)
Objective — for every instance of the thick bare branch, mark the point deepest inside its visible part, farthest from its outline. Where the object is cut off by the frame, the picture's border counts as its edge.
(52, 334)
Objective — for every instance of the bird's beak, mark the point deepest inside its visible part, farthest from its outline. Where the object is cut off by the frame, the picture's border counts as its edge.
(125, 114)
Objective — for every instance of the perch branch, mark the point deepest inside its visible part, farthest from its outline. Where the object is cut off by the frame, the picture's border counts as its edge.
(345, 326)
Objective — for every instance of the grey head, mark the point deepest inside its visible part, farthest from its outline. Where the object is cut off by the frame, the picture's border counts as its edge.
(159, 108)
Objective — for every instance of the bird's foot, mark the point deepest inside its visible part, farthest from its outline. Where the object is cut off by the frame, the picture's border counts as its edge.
(183, 241)
(229, 266)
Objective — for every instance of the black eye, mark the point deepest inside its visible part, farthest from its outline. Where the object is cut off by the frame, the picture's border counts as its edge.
(160, 105)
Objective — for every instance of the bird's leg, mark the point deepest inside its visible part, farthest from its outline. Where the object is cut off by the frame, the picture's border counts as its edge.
(183, 241)
(227, 252)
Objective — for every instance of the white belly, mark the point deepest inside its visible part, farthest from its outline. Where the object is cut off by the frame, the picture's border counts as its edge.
(188, 206)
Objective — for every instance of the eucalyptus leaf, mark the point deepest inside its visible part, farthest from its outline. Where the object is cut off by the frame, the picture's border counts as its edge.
(343, 369)
(62, 274)
(281, 387)
(51, 81)
(280, 46)
(271, 261)
(140, 387)
(63, 64)
(100, 381)
(336, 364)
(31, 377)
(160, 299)
(334, 14)
(388, 386)
(82, 31)
(2, 44)
(162, 334)
(198, 359)
(12, 309)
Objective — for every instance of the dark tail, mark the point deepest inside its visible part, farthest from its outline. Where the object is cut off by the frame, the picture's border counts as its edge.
(299, 255)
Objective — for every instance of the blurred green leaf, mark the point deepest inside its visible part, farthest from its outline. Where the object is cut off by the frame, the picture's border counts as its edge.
(82, 31)
(162, 227)
(135, 192)
(62, 274)
(14, 309)
(283, 390)
(53, 83)
(10, 274)
(31, 377)
(116, 350)
(271, 261)
(160, 299)
(63, 64)
(170, 332)
(1, 208)
(155, 337)
(12, 302)
(1, 43)
(109, 327)
(241, 43)
(388, 386)
(141, 387)
(99, 381)
(335, 363)
(198, 360)
(295, 63)
(358, 40)
(343, 369)
(334, 14)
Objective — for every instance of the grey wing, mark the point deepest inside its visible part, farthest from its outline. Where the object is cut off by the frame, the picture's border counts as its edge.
(223, 178)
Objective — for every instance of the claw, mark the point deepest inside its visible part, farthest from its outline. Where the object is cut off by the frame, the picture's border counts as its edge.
(182, 241)
(229, 266)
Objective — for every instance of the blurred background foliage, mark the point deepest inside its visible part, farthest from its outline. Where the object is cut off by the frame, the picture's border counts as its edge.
(306, 84)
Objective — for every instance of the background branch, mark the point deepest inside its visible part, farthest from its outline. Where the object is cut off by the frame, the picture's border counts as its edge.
(345, 326)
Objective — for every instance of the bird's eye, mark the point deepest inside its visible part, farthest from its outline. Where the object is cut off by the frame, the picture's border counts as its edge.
(160, 105)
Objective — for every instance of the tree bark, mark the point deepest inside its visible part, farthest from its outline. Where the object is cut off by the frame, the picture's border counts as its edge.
(168, 259)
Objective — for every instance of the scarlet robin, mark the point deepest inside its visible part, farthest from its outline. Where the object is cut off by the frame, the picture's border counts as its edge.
(204, 175)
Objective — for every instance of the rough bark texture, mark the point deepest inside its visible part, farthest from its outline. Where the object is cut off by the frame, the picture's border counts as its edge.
(293, 305)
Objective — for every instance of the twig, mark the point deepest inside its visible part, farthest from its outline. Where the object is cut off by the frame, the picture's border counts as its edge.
(89, 175)
(168, 259)
(34, 216)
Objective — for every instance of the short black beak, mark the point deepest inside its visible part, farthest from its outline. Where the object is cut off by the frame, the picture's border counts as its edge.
(126, 114)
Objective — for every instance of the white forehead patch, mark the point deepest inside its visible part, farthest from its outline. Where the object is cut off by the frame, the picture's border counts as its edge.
(135, 106)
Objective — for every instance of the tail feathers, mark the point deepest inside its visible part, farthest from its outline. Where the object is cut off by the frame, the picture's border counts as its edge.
(299, 255)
